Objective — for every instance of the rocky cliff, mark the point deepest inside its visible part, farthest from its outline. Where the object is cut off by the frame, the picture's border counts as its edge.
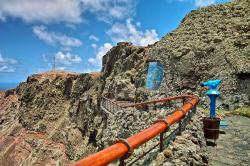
(210, 43)
(55, 118)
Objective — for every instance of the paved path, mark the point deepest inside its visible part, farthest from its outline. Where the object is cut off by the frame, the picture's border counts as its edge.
(233, 147)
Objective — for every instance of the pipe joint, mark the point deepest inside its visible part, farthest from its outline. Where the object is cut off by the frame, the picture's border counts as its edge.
(182, 110)
(164, 121)
(189, 102)
(125, 142)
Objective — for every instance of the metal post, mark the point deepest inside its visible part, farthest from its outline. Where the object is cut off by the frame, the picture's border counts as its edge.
(54, 63)
(183, 101)
(190, 113)
(194, 109)
(179, 133)
(161, 142)
(122, 162)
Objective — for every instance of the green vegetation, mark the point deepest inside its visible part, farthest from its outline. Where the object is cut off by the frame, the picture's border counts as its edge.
(219, 112)
(244, 111)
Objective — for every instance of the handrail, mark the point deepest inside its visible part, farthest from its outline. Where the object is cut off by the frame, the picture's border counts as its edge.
(156, 101)
(110, 106)
(119, 150)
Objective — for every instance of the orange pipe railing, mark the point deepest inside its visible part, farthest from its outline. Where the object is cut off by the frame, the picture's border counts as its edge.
(118, 150)
(156, 101)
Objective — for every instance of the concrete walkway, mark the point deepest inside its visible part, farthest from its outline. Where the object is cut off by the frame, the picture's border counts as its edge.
(233, 147)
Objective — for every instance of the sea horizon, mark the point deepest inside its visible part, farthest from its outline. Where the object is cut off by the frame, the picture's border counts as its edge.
(8, 85)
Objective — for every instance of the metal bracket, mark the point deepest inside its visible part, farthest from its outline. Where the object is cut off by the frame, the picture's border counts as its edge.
(180, 109)
(164, 121)
(125, 142)
(189, 102)
(128, 154)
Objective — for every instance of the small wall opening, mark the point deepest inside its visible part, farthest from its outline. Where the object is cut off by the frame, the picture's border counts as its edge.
(155, 75)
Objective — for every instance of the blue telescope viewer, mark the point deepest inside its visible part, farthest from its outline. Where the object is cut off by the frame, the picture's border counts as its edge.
(212, 93)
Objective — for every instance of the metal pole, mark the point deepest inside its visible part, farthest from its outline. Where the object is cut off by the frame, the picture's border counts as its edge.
(54, 63)
(161, 142)
(179, 133)
(183, 101)
(122, 162)
(194, 109)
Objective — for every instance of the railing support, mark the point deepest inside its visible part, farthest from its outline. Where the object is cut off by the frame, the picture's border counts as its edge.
(180, 130)
(117, 150)
(161, 142)
(190, 115)
(122, 161)
(183, 101)
(194, 109)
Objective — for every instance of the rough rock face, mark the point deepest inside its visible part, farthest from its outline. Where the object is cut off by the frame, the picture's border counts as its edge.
(53, 121)
(55, 118)
(120, 66)
(210, 43)
(187, 149)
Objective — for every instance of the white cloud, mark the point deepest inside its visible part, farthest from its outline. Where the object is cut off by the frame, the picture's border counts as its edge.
(107, 10)
(201, 3)
(93, 45)
(94, 38)
(129, 32)
(67, 58)
(7, 64)
(45, 11)
(69, 11)
(62, 60)
(97, 61)
(53, 38)
(197, 3)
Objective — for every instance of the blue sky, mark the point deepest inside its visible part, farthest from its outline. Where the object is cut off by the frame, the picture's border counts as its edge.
(77, 33)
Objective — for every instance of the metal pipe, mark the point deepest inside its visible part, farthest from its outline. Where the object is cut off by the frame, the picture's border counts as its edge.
(157, 101)
(118, 150)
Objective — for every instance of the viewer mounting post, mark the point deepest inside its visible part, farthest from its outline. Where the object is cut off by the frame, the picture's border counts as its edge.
(211, 124)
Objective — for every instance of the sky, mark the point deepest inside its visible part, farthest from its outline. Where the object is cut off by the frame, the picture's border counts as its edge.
(75, 34)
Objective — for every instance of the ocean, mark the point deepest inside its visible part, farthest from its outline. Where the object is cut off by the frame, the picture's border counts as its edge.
(8, 85)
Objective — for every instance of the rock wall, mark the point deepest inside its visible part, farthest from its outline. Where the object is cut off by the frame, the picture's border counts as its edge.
(210, 43)
(120, 66)
(55, 118)
(54, 121)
